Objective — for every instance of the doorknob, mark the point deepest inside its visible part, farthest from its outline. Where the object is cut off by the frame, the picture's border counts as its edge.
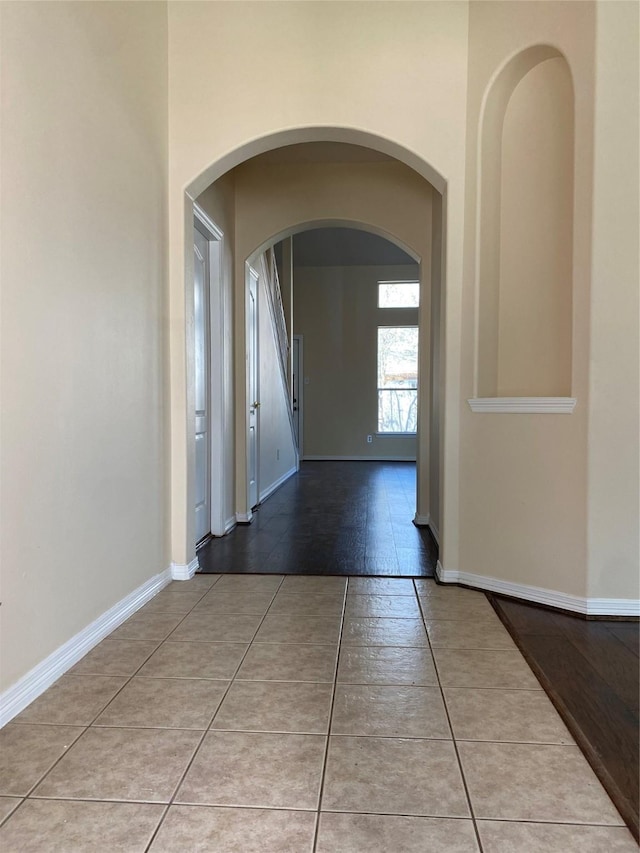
(256, 404)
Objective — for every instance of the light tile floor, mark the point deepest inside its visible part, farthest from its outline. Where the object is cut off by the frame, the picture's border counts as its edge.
(260, 713)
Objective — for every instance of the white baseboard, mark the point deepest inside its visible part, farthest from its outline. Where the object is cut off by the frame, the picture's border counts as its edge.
(184, 572)
(272, 488)
(229, 524)
(422, 520)
(244, 517)
(16, 698)
(540, 595)
(308, 458)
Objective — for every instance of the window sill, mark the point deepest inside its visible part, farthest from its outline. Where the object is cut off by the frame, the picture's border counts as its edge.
(396, 434)
(523, 405)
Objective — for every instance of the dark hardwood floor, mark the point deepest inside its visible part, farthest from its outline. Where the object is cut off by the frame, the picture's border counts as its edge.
(590, 669)
(332, 518)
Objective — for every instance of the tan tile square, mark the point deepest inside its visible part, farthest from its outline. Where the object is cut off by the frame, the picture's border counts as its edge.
(249, 583)
(275, 706)
(122, 764)
(202, 830)
(147, 626)
(389, 711)
(375, 631)
(178, 703)
(74, 700)
(200, 582)
(173, 599)
(314, 584)
(526, 782)
(468, 635)
(311, 604)
(285, 628)
(195, 660)
(458, 609)
(76, 827)
(283, 662)
(471, 668)
(386, 665)
(504, 715)
(507, 837)
(399, 606)
(7, 805)
(446, 592)
(355, 833)
(394, 776)
(203, 627)
(27, 752)
(256, 603)
(380, 586)
(256, 769)
(115, 657)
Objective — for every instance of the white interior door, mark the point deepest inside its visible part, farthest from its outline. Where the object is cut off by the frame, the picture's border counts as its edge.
(253, 420)
(203, 458)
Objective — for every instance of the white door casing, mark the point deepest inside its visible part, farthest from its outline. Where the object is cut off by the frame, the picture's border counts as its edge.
(201, 268)
(253, 393)
(297, 391)
(217, 384)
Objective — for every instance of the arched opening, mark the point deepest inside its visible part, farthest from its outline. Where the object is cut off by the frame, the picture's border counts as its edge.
(263, 217)
(524, 317)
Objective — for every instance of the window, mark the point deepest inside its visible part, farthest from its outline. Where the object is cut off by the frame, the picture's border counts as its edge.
(397, 379)
(398, 294)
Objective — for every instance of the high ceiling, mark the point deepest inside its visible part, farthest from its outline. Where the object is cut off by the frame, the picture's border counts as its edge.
(343, 247)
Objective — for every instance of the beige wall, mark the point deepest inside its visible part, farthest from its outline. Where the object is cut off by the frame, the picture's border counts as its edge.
(218, 202)
(523, 478)
(336, 311)
(614, 386)
(536, 236)
(333, 87)
(85, 486)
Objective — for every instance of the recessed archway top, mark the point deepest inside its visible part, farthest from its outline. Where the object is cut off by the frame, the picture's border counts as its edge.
(294, 136)
(300, 227)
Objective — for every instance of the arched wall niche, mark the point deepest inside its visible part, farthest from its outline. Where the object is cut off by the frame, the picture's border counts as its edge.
(525, 245)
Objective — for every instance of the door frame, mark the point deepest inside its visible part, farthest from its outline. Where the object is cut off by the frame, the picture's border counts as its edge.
(300, 398)
(252, 342)
(217, 368)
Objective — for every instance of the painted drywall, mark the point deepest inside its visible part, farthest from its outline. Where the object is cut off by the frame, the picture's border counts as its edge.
(536, 236)
(523, 478)
(336, 312)
(332, 74)
(277, 455)
(614, 386)
(85, 485)
(391, 199)
(218, 202)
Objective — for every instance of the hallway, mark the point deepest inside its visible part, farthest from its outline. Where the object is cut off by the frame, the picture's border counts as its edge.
(333, 518)
(298, 714)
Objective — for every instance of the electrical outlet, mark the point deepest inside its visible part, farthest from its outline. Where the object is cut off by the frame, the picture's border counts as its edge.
(369, 439)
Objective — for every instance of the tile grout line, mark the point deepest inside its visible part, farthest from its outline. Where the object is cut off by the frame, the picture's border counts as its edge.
(105, 706)
(208, 728)
(453, 737)
(330, 720)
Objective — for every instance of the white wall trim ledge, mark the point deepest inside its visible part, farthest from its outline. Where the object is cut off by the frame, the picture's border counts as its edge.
(181, 572)
(279, 482)
(540, 595)
(16, 698)
(523, 405)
